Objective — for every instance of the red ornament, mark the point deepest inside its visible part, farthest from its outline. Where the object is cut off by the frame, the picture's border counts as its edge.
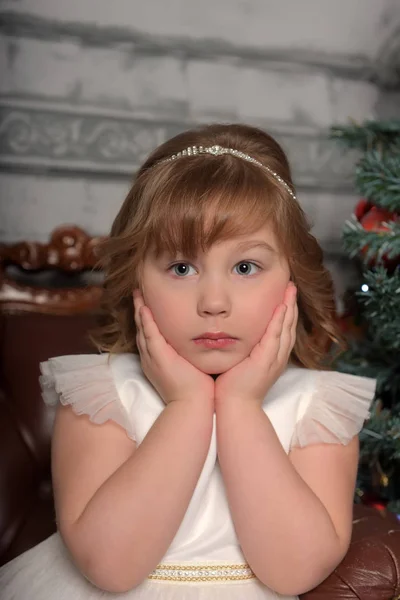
(362, 208)
(374, 218)
(378, 506)
(374, 501)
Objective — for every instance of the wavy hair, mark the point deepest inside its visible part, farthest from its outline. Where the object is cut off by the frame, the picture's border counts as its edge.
(189, 204)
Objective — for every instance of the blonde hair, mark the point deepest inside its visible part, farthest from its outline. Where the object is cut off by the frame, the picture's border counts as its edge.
(189, 204)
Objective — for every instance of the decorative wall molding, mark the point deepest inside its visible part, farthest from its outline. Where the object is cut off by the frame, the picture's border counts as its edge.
(352, 66)
(52, 138)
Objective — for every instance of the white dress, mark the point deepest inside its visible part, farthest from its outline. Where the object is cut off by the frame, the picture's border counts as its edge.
(305, 406)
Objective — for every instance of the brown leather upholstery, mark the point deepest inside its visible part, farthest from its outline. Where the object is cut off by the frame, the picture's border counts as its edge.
(30, 332)
(371, 568)
(26, 504)
(45, 311)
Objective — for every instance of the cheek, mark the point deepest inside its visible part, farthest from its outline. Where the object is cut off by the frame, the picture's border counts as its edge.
(167, 312)
(260, 316)
(263, 305)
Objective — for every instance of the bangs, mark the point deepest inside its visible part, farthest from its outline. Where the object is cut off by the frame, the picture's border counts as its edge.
(199, 201)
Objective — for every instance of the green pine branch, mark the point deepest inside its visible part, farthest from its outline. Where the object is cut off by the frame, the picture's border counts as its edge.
(369, 135)
(381, 435)
(366, 359)
(378, 179)
(381, 302)
(369, 245)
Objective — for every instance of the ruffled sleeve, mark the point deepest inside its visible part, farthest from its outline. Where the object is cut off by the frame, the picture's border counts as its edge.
(334, 410)
(85, 382)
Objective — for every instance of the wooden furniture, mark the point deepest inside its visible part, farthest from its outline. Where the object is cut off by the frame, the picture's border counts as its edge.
(70, 252)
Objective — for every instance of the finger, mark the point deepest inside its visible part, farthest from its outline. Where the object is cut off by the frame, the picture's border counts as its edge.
(140, 338)
(138, 302)
(155, 343)
(275, 325)
(271, 340)
(141, 346)
(293, 331)
(287, 301)
(286, 338)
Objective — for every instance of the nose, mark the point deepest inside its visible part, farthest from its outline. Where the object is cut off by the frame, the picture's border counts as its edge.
(214, 299)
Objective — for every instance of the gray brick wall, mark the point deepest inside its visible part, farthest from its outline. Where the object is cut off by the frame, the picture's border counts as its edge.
(90, 87)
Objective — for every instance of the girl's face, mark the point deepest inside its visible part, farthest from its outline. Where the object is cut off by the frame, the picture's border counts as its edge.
(231, 290)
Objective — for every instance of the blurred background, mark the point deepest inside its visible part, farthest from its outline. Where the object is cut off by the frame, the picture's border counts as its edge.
(89, 88)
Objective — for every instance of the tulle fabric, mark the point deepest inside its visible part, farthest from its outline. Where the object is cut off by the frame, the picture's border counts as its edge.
(336, 409)
(47, 573)
(86, 383)
(333, 411)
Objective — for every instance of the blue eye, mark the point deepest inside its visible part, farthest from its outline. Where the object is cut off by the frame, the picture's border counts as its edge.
(244, 267)
(181, 269)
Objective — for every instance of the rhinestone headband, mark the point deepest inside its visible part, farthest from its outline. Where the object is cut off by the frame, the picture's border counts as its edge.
(219, 151)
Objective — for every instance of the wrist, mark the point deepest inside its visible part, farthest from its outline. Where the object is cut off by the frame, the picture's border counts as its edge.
(198, 403)
(236, 403)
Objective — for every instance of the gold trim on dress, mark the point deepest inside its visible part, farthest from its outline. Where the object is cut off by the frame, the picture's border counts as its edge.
(174, 572)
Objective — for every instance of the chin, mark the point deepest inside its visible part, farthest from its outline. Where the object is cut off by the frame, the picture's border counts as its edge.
(214, 364)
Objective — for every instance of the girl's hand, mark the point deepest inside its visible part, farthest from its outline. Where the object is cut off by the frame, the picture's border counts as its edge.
(252, 377)
(173, 376)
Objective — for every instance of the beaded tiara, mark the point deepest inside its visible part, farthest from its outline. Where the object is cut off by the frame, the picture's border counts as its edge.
(219, 151)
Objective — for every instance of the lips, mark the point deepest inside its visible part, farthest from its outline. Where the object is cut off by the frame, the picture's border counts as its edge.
(217, 335)
(215, 340)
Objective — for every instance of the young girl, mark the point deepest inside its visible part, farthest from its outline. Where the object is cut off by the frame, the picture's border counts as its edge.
(206, 454)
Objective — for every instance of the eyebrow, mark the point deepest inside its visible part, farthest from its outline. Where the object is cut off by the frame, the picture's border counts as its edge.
(255, 244)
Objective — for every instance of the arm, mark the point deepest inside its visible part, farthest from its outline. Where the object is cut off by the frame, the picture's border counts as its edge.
(118, 508)
(293, 515)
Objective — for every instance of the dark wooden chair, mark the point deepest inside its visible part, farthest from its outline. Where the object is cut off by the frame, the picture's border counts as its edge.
(50, 278)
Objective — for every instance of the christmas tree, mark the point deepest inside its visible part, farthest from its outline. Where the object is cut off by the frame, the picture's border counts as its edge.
(372, 238)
